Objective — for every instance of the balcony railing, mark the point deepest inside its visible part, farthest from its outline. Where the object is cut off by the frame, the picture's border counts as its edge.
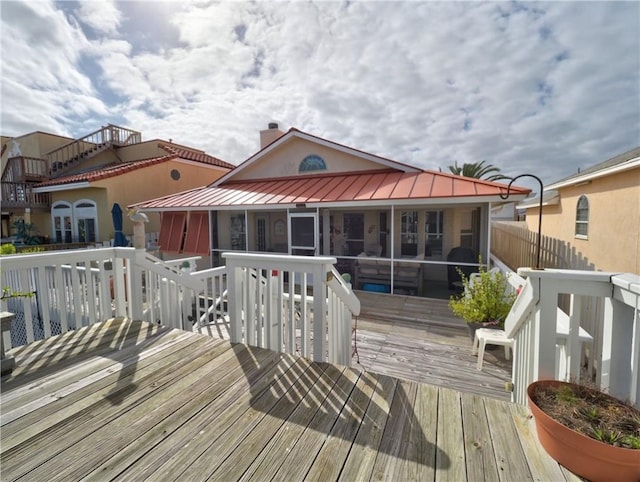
(75, 151)
(536, 315)
(21, 195)
(60, 291)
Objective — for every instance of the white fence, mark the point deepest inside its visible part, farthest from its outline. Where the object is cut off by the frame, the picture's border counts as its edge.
(52, 293)
(549, 342)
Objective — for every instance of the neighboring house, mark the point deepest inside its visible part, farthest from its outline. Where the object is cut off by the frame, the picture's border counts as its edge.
(67, 187)
(304, 195)
(597, 211)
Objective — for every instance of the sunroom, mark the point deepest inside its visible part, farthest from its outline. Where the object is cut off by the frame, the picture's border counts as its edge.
(393, 228)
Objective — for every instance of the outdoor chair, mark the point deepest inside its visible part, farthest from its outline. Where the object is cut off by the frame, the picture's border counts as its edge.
(488, 336)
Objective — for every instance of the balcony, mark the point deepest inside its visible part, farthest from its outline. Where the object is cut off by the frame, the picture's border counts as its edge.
(141, 399)
(20, 195)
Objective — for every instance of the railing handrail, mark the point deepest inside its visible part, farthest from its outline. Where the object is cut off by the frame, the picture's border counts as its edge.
(342, 290)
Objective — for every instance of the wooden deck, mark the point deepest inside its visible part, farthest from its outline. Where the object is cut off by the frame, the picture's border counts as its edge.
(131, 401)
(418, 339)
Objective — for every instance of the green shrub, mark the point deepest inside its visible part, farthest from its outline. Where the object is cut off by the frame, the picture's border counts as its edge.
(485, 300)
(7, 249)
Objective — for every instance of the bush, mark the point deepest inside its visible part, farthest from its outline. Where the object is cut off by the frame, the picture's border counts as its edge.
(485, 298)
(6, 249)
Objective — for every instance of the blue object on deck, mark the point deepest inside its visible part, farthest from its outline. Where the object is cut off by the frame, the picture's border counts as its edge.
(376, 288)
(119, 238)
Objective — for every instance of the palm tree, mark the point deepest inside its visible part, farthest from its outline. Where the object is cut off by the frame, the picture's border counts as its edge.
(478, 170)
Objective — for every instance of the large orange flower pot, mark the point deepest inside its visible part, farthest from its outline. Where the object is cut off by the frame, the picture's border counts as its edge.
(583, 455)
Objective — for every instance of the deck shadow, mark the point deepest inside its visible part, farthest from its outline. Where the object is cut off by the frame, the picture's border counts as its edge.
(364, 424)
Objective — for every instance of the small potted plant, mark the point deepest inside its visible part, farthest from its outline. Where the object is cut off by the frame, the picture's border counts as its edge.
(594, 435)
(485, 301)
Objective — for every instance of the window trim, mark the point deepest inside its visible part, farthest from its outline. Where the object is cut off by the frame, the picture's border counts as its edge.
(81, 212)
(582, 222)
(409, 234)
(438, 234)
(64, 209)
(312, 163)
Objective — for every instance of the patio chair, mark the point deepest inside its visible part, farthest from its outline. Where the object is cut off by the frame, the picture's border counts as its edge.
(488, 336)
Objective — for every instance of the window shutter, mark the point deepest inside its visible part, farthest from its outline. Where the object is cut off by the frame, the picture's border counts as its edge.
(197, 238)
(171, 231)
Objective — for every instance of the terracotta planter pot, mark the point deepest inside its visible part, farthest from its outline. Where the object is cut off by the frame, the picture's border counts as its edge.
(582, 455)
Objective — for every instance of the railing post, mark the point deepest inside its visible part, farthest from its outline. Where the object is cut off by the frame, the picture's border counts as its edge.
(234, 296)
(319, 313)
(618, 348)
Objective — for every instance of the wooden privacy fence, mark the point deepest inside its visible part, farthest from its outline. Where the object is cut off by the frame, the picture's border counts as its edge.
(515, 245)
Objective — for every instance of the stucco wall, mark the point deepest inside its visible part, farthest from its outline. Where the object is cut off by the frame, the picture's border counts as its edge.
(136, 186)
(285, 161)
(613, 242)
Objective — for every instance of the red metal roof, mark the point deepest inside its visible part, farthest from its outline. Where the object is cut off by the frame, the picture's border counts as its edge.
(372, 186)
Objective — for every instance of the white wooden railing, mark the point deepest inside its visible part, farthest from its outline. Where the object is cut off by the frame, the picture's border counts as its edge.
(295, 304)
(55, 292)
(536, 323)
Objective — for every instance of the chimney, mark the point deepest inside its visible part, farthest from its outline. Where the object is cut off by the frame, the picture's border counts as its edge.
(270, 135)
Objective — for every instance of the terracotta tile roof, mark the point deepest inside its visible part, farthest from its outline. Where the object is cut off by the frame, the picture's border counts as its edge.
(113, 170)
(195, 155)
(104, 172)
(381, 186)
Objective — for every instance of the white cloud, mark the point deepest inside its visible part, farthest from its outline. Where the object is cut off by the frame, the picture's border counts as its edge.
(541, 87)
(101, 15)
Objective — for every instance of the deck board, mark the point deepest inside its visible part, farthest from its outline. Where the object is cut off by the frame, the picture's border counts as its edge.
(169, 405)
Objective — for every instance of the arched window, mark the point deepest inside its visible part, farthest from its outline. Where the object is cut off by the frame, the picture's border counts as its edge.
(61, 216)
(312, 162)
(85, 217)
(582, 217)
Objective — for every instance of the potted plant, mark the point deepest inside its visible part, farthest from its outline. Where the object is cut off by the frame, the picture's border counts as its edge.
(485, 301)
(591, 433)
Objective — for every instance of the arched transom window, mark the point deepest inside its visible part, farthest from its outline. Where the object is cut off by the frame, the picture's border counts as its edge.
(582, 217)
(312, 162)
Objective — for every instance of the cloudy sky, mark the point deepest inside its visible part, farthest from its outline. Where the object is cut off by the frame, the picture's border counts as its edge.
(530, 87)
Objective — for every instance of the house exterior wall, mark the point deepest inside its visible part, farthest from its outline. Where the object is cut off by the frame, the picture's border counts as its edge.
(285, 160)
(127, 189)
(143, 150)
(44, 223)
(35, 144)
(613, 243)
(154, 181)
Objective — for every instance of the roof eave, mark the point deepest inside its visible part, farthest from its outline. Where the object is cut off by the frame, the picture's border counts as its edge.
(631, 164)
(61, 187)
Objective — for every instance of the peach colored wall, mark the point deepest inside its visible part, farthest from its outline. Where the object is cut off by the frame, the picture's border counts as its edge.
(36, 144)
(155, 181)
(99, 196)
(144, 150)
(141, 185)
(285, 160)
(613, 242)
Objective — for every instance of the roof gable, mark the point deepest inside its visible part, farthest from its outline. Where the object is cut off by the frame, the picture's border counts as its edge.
(619, 163)
(283, 157)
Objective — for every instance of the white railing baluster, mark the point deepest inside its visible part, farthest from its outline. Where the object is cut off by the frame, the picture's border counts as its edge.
(538, 324)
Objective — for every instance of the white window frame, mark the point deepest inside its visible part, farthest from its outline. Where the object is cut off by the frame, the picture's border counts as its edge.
(582, 222)
(409, 222)
(85, 213)
(62, 210)
(439, 232)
